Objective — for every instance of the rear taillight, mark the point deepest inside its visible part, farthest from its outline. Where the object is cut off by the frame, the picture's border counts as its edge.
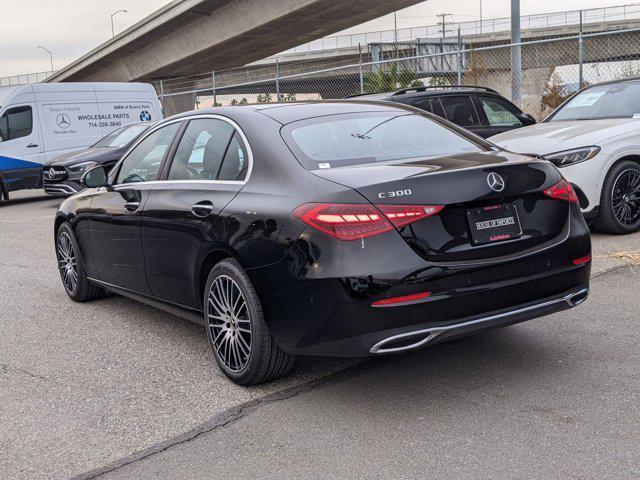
(344, 221)
(401, 215)
(355, 221)
(562, 191)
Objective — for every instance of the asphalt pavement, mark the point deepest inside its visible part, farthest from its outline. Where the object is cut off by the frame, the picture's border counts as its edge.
(120, 388)
(555, 398)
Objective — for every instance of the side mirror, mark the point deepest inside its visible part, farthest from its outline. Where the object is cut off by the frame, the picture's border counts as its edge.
(527, 119)
(94, 178)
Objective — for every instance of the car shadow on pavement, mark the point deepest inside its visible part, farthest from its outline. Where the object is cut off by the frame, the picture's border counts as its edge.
(490, 363)
(22, 201)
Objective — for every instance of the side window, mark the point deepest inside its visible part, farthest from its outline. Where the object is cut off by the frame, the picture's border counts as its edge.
(236, 160)
(143, 162)
(16, 123)
(424, 104)
(430, 105)
(460, 110)
(498, 113)
(201, 150)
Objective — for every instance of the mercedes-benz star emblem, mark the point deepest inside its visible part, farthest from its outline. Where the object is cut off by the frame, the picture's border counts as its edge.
(63, 120)
(496, 182)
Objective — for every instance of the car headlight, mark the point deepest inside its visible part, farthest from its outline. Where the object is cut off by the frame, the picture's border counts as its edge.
(571, 157)
(82, 167)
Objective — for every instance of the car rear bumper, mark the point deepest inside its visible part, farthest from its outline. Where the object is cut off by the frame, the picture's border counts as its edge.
(412, 339)
(335, 316)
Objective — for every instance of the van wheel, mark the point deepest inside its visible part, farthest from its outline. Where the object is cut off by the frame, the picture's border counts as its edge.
(239, 337)
(71, 267)
(620, 202)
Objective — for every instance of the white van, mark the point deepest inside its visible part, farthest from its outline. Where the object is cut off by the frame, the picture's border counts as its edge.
(43, 120)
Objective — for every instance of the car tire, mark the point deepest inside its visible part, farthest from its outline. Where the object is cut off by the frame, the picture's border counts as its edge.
(620, 214)
(71, 267)
(4, 194)
(238, 335)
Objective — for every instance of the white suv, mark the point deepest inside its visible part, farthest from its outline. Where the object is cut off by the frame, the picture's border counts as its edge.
(594, 138)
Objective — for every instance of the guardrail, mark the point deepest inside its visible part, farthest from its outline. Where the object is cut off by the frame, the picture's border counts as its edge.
(495, 25)
(24, 79)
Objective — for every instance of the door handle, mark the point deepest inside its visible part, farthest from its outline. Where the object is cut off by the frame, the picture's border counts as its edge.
(132, 206)
(32, 145)
(202, 209)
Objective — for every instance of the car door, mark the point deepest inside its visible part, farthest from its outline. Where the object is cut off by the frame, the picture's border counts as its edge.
(116, 212)
(207, 170)
(497, 116)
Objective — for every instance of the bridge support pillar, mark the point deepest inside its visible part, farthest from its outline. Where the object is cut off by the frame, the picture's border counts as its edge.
(182, 102)
(532, 85)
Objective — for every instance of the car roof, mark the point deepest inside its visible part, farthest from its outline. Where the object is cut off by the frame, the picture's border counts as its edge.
(426, 91)
(287, 112)
(613, 82)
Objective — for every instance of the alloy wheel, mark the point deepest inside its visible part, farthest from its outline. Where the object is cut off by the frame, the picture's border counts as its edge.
(230, 323)
(67, 263)
(625, 198)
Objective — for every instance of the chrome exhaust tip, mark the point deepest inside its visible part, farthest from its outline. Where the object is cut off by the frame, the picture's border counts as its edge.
(404, 341)
(419, 338)
(578, 298)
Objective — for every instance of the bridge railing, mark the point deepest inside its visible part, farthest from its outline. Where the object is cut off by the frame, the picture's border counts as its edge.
(552, 69)
(24, 79)
(476, 27)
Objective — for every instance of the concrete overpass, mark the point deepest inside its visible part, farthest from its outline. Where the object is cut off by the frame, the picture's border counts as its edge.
(483, 67)
(188, 37)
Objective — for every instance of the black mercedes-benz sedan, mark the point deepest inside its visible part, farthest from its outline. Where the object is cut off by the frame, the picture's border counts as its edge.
(325, 228)
(61, 176)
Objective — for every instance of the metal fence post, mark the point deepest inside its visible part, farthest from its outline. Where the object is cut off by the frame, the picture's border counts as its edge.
(459, 58)
(361, 70)
(213, 87)
(162, 96)
(516, 53)
(277, 80)
(580, 56)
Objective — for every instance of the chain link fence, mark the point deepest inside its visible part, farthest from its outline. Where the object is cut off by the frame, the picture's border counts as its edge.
(552, 70)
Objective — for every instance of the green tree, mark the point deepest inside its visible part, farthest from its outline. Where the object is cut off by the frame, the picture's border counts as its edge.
(264, 98)
(390, 80)
(289, 97)
(439, 82)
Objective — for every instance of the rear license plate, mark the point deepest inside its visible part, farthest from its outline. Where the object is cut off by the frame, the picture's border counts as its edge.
(494, 224)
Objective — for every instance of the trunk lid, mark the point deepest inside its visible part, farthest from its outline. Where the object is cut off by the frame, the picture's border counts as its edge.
(461, 184)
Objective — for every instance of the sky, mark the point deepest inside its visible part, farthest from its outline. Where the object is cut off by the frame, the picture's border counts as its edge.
(70, 28)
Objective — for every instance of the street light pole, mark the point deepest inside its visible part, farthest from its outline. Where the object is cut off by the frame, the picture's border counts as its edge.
(113, 31)
(50, 56)
(480, 16)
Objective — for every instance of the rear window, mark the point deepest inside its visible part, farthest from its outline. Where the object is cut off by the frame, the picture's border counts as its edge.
(360, 138)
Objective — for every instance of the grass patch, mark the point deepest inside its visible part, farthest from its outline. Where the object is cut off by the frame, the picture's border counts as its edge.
(632, 256)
